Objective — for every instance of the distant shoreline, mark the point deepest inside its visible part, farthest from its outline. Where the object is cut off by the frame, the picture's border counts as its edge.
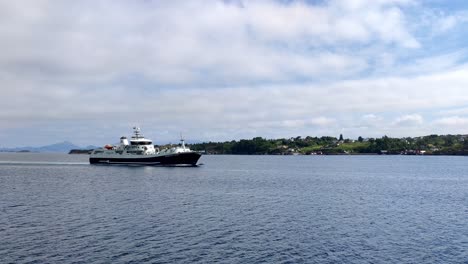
(340, 154)
(449, 145)
(434, 145)
(80, 151)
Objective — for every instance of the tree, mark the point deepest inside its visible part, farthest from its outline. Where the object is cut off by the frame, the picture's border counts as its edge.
(341, 137)
(360, 139)
(465, 144)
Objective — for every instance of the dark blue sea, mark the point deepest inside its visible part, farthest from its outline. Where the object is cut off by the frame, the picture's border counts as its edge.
(56, 208)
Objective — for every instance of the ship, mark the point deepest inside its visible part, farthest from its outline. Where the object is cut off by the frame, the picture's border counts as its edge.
(141, 151)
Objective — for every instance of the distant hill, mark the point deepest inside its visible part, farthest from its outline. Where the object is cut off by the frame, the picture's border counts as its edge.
(62, 147)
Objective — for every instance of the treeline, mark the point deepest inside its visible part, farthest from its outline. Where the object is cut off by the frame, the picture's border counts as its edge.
(432, 144)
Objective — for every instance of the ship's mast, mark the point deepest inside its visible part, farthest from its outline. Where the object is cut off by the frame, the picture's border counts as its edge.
(136, 130)
(182, 140)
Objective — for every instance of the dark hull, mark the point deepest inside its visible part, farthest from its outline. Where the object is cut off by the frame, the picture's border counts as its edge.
(189, 159)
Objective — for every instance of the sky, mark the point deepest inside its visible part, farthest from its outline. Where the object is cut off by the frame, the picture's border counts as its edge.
(88, 71)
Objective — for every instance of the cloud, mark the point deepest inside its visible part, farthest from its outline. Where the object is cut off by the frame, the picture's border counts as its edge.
(453, 112)
(446, 23)
(450, 125)
(409, 120)
(370, 121)
(456, 121)
(224, 69)
(242, 112)
(181, 42)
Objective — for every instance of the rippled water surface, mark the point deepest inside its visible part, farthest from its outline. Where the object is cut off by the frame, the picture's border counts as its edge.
(235, 209)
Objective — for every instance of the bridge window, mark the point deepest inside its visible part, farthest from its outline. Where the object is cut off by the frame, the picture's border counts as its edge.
(133, 143)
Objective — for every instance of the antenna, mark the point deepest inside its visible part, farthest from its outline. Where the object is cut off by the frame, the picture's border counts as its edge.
(182, 140)
(136, 130)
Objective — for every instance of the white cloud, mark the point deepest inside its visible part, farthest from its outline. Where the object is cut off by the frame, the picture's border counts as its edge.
(409, 120)
(223, 69)
(445, 23)
(450, 125)
(242, 112)
(430, 64)
(370, 121)
(455, 121)
(453, 112)
(323, 121)
(186, 42)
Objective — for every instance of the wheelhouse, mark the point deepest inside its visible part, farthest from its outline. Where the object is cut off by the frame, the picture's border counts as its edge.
(136, 143)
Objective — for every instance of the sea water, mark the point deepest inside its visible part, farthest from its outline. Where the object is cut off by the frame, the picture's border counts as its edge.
(56, 208)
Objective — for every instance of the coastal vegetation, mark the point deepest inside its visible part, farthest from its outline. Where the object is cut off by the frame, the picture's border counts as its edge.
(428, 145)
